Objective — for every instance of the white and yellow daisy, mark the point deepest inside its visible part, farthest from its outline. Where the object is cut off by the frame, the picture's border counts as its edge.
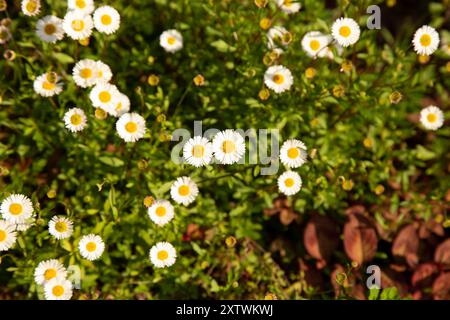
(198, 151)
(31, 7)
(48, 270)
(278, 78)
(85, 73)
(163, 254)
(84, 6)
(315, 44)
(184, 191)
(345, 31)
(293, 153)
(121, 106)
(161, 212)
(91, 247)
(426, 40)
(104, 95)
(60, 227)
(47, 85)
(171, 40)
(275, 36)
(289, 183)
(289, 6)
(58, 289)
(17, 208)
(8, 235)
(27, 224)
(78, 25)
(5, 34)
(75, 120)
(131, 127)
(49, 29)
(106, 19)
(103, 73)
(228, 146)
(432, 118)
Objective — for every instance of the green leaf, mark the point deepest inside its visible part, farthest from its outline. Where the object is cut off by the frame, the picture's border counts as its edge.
(63, 58)
(111, 161)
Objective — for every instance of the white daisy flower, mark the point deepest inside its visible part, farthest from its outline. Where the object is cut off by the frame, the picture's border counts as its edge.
(103, 73)
(163, 254)
(85, 73)
(104, 95)
(60, 227)
(293, 153)
(58, 289)
(121, 106)
(171, 40)
(289, 6)
(106, 19)
(289, 183)
(50, 29)
(161, 212)
(84, 6)
(184, 191)
(198, 151)
(432, 118)
(278, 78)
(75, 120)
(228, 146)
(316, 44)
(426, 40)
(91, 247)
(16, 208)
(26, 224)
(274, 36)
(5, 34)
(48, 270)
(8, 235)
(31, 7)
(78, 25)
(345, 31)
(131, 127)
(46, 86)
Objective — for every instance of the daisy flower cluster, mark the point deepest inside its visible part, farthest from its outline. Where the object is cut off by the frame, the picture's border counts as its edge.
(52, 275)
(293, 154)
(17, 215)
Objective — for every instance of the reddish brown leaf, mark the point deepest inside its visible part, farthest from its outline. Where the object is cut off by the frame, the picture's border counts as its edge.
(406, 245)
(424, 275)
(441, 287)
(321, 237)
(360, 239)
(442, 253)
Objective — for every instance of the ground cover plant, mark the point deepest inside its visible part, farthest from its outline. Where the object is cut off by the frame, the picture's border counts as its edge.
(100, 200)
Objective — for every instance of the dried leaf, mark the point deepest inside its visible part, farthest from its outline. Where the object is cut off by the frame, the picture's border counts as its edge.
(424, 275)
(441, 287)
(360, 239)
(406, 245)
(442, 253)
(321, 237)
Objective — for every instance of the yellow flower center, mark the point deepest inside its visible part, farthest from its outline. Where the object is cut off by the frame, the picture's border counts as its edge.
(106, 19)
(75, 120)
(78, 25)
(183, 190)
(171, 40)
(91, 246)
(228, 146)
(278, 78)
(2, 235)
(48, 85)
(163, 255)
(131, 127)
(425, 40)
(431, 117)
(80, 4)
(160, 211)
(86, 73)
(198, 151)
(314, 45)
(61, 226)
(58, 291)
(15, 209)
(293, 153)
(49, 274)
(31, 6)
(104, 96)
(287, 3)
(49, 29)
(289, 182)
(345, 31)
